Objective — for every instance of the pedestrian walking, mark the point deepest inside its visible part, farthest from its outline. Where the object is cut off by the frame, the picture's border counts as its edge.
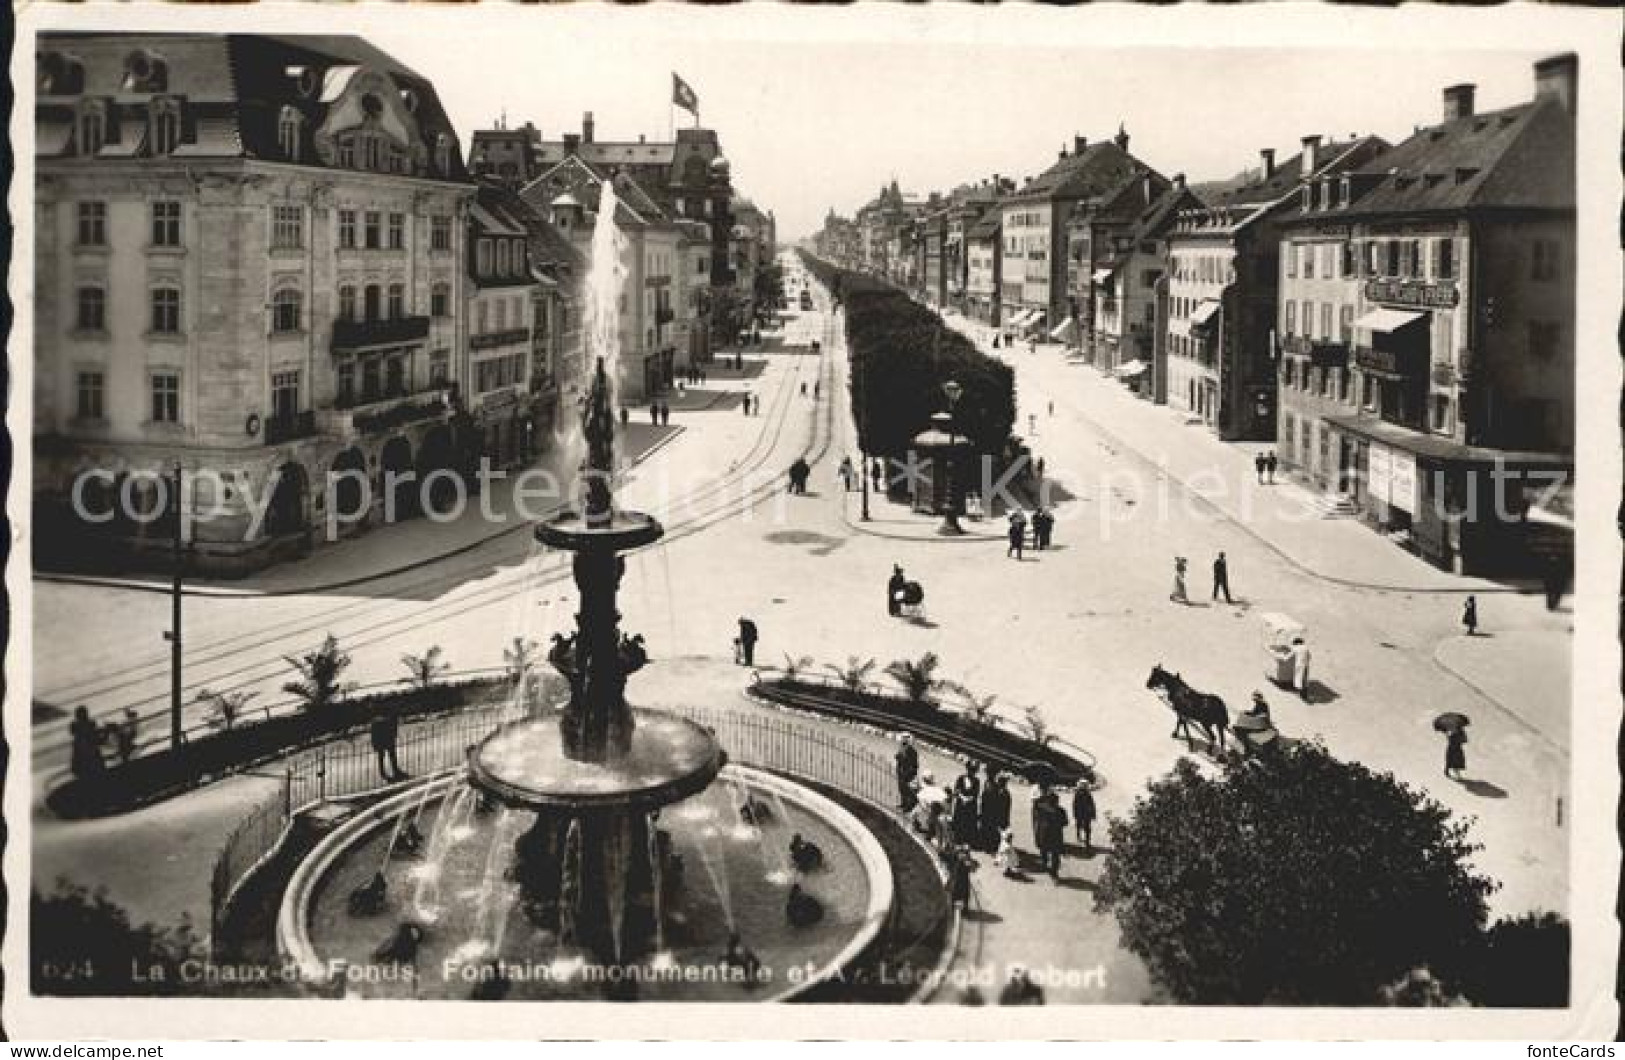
(1017, 533)
(654, 413)
(125, 734)
(85, 757)
(896, 585)
(1179, 595)
(803, 388)
(1083, 815)
(1032, 423)
(1260, 462)
(626, 415)
(1043, 527)
(993, 811)
(1049, 831)
(1008, 858)
(877, 476)
(817, 387)
(1052, 408)
(907, 763)
(1300, 667)
(959, 868)
(1221, 578)
(1270, 463)
(385, 733)
(1455, 753)
(1469, 616)
(1021, 990)
(747, 642)
(1038, 469)
(995, 341)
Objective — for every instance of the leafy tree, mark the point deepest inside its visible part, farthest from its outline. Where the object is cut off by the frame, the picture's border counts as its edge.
(1523, 962)
(1037, 726)
(319, 685)
(422, 670)
(977, 709)
(917, 677)
(1304, 880)
(225, 707)
(519, 659)
(853, 675)
(81, 943)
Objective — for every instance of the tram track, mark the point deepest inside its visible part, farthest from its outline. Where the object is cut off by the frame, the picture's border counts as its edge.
(367, 623)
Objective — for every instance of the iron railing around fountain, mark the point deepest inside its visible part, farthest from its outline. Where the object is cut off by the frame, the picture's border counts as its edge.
(348, 768)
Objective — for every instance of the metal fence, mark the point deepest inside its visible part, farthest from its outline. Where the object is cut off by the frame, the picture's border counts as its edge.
(348, 767)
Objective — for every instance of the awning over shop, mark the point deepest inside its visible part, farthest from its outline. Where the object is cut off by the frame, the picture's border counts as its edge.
(1556, 510)
(1387, 320)
(1037, 319)
(1129, 369)
(1066, 331)
(1440, 448)
(1204, 312)
(1102, 275)
(1021, 318)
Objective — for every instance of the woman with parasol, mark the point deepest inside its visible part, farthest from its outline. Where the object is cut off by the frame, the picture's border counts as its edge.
(1454, 726)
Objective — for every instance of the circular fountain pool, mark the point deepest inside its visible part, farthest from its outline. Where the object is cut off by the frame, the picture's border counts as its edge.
(475, 938)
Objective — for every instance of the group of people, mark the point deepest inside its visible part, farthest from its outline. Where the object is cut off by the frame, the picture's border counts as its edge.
(88, 739)
(693, 374)
(1221, 580)
(1265, 464)
(1043, 528)
(660, 414)
(817, 388)
(751, 404)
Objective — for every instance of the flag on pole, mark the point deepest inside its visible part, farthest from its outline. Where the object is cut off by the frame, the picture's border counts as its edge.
(683, 96)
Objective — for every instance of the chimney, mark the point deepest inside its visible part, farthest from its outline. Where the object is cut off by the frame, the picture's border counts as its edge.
(586, 128)
(1557, 78)
(1311, 154)
(1121, 139)
(1458, 102)
(1063, 151)
(1179, 182)
(1267, 155)
(1079, 143)
(640, 138)
(572, 141)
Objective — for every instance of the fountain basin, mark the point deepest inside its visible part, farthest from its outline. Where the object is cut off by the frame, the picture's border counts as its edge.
(620, 532)
(524, 764)
(735, 877)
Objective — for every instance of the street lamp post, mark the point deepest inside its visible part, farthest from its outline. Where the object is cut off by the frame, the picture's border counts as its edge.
(950, 517)
(173, 634)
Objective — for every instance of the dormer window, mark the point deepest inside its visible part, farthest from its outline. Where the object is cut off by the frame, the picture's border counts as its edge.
(289, 125)
(165, 125)
(1325, 193)
(92, 126)
(145, 72)
(60, 75)
(442, 154)
(1308, 196)
(1344, 190)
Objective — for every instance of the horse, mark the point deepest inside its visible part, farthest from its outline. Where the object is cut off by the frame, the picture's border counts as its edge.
(1189, 705)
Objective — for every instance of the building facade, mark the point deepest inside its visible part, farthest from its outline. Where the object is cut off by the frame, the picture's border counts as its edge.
(1427, 323)
(249, 263)
(1125, 320)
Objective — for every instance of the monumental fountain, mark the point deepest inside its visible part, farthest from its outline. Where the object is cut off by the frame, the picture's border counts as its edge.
(590, 848)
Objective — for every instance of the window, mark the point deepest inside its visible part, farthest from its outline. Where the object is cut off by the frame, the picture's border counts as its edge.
(440, 233)
(287, 311)
(287, 227)
(1415, 268)
(1325, 320)
(285, 395)
(395, 376)
(88, 395)
(442, 155)
(287, 132)
(166, 224)
(481, 311)
(372, 302)
(371, 380)
(440, 300)
(439, 367)
(92, 303)
(371, 231)
(482, 257)
(166, 310)
(1446, 260)
(347, 303)
(346, 395)
(92, 128)
(347, 229)
(372, 154)
(1310, 252)
(1345, 323)
(500, 315)
(1372, 253)
(397, 301)
(1543, 259)
(346, 154)
(166, 125)
(1544, 336)
(1441, 414)
(1368, 392)
(1345, 260)
(166, 397)
(397, 231)
(502, 257)
(93, 224)
(1290, 325)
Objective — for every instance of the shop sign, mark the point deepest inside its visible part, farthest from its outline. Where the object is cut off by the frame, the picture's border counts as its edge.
(498, 399)
(1382, 362)
(1402, 481)
(1413, 292)
(491, 339)
(1379, 472)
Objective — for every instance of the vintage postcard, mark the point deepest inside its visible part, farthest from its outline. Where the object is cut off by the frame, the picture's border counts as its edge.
(459, 448)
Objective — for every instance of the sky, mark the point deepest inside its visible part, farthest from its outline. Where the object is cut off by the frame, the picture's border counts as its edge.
(811, 125)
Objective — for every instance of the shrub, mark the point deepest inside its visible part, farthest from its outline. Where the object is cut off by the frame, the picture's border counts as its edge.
(319, 685)
(81, 943)
(917, 677)
(422, 670)
(1302, 881)
(519, 658)
(225, 707)
(853, 675)
(1037, 726)
(795, 665)
(1523, 962)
